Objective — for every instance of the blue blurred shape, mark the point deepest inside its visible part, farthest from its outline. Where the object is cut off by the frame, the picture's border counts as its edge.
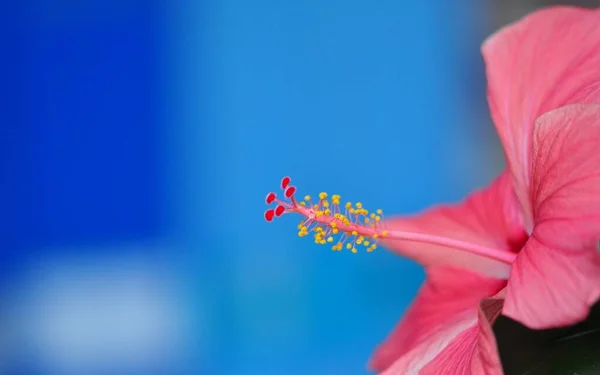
(82, 159)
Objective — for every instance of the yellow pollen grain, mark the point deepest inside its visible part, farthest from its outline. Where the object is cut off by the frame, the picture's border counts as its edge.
(354, 250)
(307, 197)
(379, 211)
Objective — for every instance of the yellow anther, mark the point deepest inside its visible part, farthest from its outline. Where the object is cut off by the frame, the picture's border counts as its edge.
(367, 221)
(354, 233)
(302, 204)
(333, 224)
(377, 218)
(328, 212)
(351, 210)
(379, 211)
(335, 231)
(384, 233)
(375, 236)
(322, 242)
(325, 204)
(358, 205)
(323, 195)
(348, 246)
(338, 216)
(354, 250)
(307, 197)
(329, 239)
(366, 243)
(373, 216)
(348, 205)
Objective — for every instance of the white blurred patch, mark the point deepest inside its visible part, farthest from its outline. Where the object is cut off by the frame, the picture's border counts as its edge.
(102, 314)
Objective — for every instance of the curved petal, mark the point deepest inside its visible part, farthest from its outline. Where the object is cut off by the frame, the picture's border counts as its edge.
(474, 351)
(489, 217)
(488, 359)
(445, 307)
(544, 61)
(556, 278)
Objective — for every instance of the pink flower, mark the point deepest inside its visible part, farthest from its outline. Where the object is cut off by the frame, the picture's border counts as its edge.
(526, 246)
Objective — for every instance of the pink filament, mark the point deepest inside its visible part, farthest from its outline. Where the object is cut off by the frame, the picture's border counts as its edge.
(497, 254)
(488, 252)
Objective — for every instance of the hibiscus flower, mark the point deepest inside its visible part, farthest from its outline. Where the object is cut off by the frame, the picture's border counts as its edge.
(527, 245)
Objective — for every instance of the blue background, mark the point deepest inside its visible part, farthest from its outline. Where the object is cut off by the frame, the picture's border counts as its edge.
(139, 139)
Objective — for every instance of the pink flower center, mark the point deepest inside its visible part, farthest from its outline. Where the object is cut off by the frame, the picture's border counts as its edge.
(354, 226)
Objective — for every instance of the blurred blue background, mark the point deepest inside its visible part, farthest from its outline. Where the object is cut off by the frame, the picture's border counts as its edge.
(139, 139)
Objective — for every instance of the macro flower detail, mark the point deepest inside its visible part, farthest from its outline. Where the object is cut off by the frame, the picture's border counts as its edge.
(526, 246)
(543, 89)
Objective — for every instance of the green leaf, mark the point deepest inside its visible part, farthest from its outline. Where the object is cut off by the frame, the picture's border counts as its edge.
(571, 350)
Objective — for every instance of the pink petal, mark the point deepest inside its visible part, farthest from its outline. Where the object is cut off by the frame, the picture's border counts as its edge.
(445, 307)
(474, 351)
(490, 217)
(487, 360)
(556, 278)
(544, 61)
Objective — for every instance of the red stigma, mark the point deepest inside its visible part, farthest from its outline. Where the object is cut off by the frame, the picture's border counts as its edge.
(270, 198)
(285, 182)
(289, 192)
(279, 210)
(269, 215)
